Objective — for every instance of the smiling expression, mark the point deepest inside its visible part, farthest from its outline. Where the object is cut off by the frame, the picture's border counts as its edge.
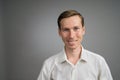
(72, 31)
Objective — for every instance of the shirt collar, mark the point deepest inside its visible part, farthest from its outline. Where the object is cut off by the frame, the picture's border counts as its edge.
(83, 55)
(62, 58)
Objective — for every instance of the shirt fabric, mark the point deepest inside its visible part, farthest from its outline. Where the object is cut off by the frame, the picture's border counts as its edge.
(90, 66)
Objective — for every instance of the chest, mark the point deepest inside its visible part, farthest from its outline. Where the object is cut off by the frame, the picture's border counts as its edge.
(83, 71)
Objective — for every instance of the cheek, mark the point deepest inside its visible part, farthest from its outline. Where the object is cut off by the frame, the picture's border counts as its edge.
(64, 37)
(79, 35)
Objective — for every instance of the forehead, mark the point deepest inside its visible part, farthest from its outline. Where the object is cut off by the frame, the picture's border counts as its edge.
(71, 21)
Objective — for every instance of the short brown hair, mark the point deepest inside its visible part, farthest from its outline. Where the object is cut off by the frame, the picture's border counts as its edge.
(67, 14)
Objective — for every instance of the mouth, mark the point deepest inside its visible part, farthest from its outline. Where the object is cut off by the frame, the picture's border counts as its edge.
(72, 42)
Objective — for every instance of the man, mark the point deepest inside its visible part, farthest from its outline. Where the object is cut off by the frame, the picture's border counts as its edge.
(74, 62)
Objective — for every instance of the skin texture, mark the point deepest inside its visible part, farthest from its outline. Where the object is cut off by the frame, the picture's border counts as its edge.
(72, 33)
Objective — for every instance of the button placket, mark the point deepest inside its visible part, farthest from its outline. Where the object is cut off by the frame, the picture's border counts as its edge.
(73, 73)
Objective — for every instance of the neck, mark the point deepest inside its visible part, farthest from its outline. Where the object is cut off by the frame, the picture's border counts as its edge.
(73, 55)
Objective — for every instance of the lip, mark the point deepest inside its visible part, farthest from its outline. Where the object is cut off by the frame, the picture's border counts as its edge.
(72, 42)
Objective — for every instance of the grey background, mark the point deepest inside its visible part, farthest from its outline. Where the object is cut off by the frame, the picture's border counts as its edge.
(28, 34)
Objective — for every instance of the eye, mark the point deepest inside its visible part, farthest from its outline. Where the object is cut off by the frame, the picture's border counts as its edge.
(76, 28)
(65, 30)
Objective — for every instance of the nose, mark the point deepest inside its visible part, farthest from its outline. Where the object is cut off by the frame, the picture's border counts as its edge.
(71, 34)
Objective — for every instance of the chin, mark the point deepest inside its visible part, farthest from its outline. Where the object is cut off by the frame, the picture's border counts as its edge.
(72, 47)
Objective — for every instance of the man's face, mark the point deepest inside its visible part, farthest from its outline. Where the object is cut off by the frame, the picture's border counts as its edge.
(72, 32)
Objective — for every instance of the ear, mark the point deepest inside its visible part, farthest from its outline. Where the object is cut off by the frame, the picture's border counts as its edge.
(84, 30)
(59, 32)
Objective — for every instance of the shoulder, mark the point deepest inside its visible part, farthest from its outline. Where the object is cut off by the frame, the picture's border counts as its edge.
(52, 59)
(95, 60)
(48, 66)
(50, 62)
(94, 56)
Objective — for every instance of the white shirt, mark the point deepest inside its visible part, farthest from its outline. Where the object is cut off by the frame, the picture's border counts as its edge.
(91, 66)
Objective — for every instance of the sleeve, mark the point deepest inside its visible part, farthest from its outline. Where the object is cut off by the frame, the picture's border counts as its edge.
(44, 73)
(105, 73)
